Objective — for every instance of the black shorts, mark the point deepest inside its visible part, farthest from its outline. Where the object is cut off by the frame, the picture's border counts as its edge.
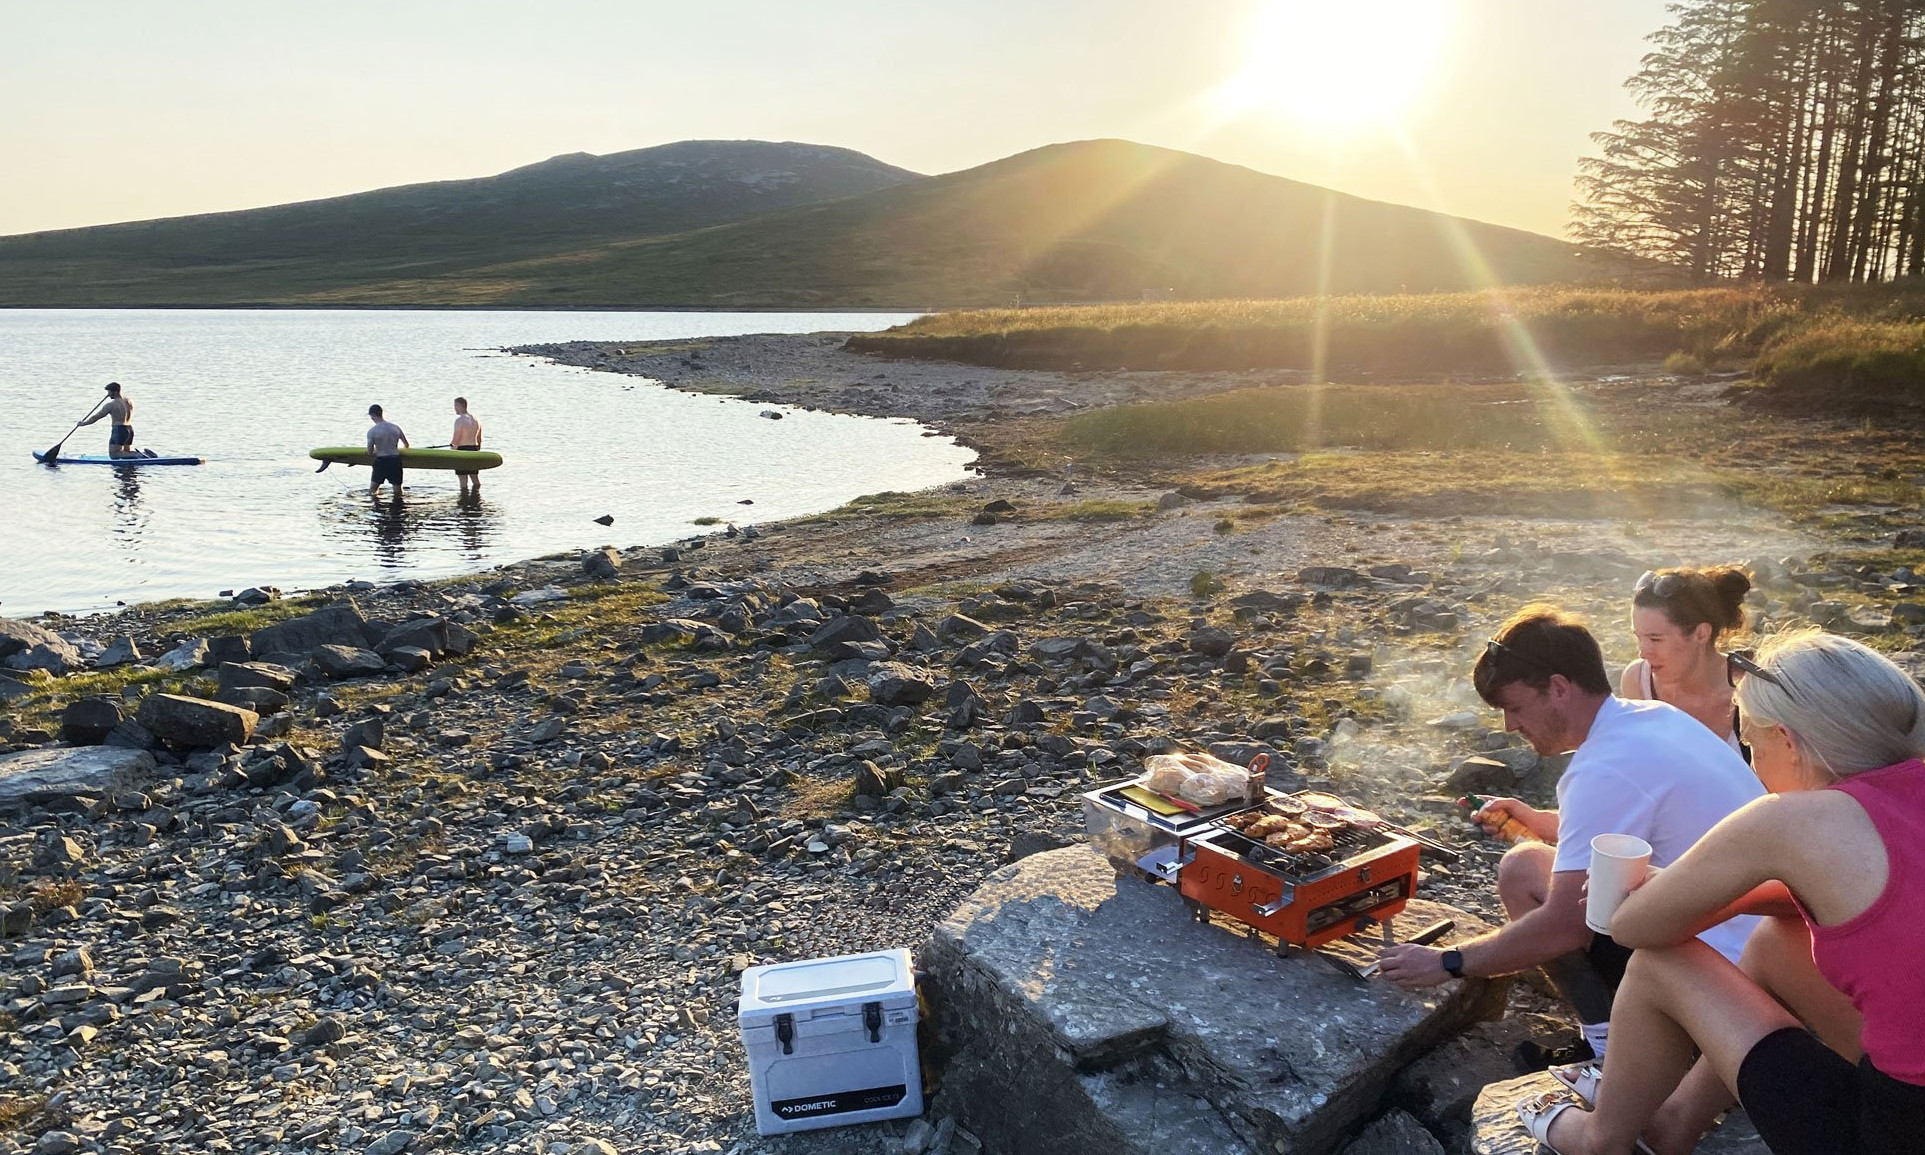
(122, 435)
(1609, 958)
(1807, 1099)
(387, 469)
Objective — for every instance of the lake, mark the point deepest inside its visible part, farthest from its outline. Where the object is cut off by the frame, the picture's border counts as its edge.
(251, 391)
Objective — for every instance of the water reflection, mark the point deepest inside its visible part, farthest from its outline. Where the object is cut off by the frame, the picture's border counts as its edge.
(130, 517)
(401, 530)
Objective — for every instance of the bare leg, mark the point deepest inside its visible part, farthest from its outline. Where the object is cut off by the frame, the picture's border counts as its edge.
(1672, 1001)
(1778, 958)
(1523, 884)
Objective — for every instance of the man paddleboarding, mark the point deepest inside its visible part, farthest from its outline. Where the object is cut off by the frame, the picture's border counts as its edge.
(385, 442)
(467, 436)
(120, 440)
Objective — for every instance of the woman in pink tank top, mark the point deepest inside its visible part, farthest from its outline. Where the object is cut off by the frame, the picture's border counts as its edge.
(1821, 1034)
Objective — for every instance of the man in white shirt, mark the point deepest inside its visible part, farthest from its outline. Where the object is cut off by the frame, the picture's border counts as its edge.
(385, 442)
(1641, 768)
(467, 435)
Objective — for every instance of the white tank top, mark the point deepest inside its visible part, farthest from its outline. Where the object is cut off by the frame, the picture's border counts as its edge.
(1648, 690)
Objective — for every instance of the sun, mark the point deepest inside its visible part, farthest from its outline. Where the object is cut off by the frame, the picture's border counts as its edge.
(1339, 65)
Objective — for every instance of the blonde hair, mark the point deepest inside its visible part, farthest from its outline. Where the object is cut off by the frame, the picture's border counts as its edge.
(1850, 707)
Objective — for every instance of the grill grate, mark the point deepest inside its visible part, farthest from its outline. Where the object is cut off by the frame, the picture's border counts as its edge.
(1346, 844)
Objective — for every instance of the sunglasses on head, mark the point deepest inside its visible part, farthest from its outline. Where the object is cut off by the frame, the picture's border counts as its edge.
(1497, 649)
(1660, 585)
(1749, 665)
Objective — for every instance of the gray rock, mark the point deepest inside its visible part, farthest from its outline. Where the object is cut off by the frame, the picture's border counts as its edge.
(430, 634)
(370, 732)
(1212, 641)
(1440, 1088)
(55, 775)
(1481, 775)
(1266, 602)
(348, 662)
(88, 721)
(894, 684)
(249, 675)
(259, 699)
(28, 647)
(393, 1143)
(547, 730)
(1329, 576)
(604, 564)
(1072, 1028)
(119, 652)
(340, 624)
(1395, 1134)
(410, 659)
(962, 627)
(189, 655)
(196, 723)
(229, 648)
(848, 628)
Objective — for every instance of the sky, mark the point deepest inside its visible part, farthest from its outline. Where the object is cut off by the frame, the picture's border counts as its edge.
(131, 109)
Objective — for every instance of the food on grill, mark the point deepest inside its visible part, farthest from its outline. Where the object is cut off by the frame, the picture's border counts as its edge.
(1301, 840)
(1324, 820)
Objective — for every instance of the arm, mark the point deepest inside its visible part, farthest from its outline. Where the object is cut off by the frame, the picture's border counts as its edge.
(1556, 928)
(1722, 875)
(404, 442)
(98, 413)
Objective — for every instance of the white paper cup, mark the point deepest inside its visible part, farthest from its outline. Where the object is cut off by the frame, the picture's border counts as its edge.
(1618, 862)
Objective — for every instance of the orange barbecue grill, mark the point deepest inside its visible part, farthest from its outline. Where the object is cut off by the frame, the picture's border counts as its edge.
(1305, 899)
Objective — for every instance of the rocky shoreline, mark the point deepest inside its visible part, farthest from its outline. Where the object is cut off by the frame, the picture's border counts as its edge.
(489, 853)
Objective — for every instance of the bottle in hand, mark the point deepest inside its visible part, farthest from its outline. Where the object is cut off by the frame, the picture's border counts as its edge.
(1501, 825)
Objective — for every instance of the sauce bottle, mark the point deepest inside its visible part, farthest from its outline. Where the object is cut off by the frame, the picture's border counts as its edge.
(1505, 826)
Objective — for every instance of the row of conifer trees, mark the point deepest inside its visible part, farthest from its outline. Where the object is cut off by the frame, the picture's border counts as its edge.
(1780, 140)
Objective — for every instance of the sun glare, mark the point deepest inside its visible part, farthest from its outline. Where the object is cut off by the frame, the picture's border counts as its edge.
(1337, 65)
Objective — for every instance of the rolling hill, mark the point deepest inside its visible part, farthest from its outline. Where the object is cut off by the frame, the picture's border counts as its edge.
(1090, 220)
(287, 253)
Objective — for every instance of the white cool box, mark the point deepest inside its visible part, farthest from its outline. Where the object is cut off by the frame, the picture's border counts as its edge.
(831, 1041)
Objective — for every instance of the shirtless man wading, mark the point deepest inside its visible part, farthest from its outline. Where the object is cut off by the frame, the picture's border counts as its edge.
(467, 435)
(120, 442)
(385, 442)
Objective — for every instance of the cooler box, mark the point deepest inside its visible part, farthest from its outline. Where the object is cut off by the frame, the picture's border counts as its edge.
(831, 1041)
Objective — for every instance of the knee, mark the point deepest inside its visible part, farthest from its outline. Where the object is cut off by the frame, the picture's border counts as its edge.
(1774, 944)
(1524, 873)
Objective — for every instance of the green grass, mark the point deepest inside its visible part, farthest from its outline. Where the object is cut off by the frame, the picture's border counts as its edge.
(707, 521)
(1100, 511)
(1401, 333)
(1856, 366)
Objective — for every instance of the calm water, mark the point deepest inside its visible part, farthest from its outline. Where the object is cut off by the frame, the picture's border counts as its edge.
(253, 391)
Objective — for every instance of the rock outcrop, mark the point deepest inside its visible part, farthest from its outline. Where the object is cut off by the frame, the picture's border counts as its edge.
(54, 775)
(1076, 1010)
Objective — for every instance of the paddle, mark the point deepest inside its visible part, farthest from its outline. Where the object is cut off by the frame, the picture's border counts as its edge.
(54, 453)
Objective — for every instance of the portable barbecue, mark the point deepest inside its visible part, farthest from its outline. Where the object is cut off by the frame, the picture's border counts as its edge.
(1305, 899)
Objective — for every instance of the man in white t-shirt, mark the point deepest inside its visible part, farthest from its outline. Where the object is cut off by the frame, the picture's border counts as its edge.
(1641, 768)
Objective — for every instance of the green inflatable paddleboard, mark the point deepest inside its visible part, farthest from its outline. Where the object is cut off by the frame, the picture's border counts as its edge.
(464, 460)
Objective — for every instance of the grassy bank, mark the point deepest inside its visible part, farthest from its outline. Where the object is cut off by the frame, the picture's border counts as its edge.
(1863, 347)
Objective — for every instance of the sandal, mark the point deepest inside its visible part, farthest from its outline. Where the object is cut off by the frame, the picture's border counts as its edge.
(1538, 1112)
(1581, 1079)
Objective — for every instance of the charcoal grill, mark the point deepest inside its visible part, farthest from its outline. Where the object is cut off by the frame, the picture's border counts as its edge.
(1305, 899)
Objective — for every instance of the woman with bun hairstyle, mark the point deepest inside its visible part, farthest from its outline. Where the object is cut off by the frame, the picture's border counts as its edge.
(1821, 1034)
(1679, 616)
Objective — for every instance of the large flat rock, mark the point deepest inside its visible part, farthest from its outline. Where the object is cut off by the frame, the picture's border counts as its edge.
(1077, 1010)
(1496, 1131)
(59, 774)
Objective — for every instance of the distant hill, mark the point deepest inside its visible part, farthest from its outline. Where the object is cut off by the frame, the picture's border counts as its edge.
(1091, 220)
(289, 253)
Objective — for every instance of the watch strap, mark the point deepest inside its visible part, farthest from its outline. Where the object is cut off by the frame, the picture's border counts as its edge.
(1454, 963)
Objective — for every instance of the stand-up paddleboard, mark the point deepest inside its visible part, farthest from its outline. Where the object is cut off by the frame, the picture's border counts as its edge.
(84, 459)
(462, 460)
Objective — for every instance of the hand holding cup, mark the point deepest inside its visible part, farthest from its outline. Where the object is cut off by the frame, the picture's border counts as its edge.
(1619, 863)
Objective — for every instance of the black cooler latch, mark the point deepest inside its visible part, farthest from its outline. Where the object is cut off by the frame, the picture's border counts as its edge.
(785, 1033)
(872, 1019)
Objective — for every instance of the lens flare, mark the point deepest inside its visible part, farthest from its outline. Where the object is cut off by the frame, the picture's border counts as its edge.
(1338, 65)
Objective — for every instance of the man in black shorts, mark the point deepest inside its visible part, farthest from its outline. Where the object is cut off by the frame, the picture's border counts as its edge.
(1641, 768)
(385, 442)
(120, 441)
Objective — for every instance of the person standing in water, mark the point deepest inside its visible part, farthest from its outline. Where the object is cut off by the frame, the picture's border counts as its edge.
(467, 436)
(120, 442)
(385, 442)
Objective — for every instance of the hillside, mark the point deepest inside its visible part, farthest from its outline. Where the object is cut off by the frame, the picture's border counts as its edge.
(1092, 220)
(443, 229)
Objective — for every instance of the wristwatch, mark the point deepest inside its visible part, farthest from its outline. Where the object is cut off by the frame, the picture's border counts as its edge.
(1453, 961)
